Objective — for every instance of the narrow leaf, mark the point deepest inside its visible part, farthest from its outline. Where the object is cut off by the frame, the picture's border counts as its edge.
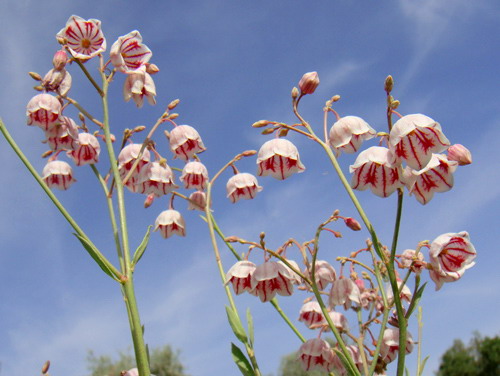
(346, 363)
(241, 361)
(250, 326)
(95, 255)
(142, 247)
(416, 300)
(235, 323)
(422, 365)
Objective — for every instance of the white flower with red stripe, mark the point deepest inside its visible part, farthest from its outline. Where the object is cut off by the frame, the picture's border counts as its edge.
(344, 292)
(450, 256)
(437, 176)
(197, 201)
(155, 178)
(139, 84)
(316, 353)
(349, 132)
(185, 142)
(376, 168)
(126, 159)
(311, 314)
(43, 110)
(279, 158)
(129, 53)
(87, 150)
(324, 274)
(64, 135)
(242, 186)
(170, 222)
(194, 175)
(271, 278)
(240, 276)
(58, 174)
(390, 344)
(414, 138)
(83, 38)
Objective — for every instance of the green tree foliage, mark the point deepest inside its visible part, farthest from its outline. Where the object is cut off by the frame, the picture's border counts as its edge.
(164, 362)
(480, 358)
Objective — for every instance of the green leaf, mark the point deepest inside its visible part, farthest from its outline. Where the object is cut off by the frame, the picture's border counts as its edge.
(250, 327)
(142, 247)
(94, 253)
(346, 363)
(235, 323)
(422, 365)
(416, 299)
(241, 361)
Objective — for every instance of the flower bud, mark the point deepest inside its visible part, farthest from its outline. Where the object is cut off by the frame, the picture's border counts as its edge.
(35, 76)
(173, 104)
(295, 93)
(389, 84)
(149, 200)
(45, 367)
(460, 154)
(352, 224)
(261, 123)
(60, 60)
(152, 68)
(308, 83)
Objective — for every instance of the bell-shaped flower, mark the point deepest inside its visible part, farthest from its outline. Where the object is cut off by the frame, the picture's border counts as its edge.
(414, 138)
(311, 314)
(63, 136)
(170, 222)
(240, 276)
(436, 176)
(324, 274)
(139, 84)
(185, 142)
(43, 110)
(83, 38)
(390, 344)
(295, 278)
(194, 175)
(197, 201)
(316, 353)
(279, 158)
(404, 292)
(156, 179)
(339, 321)
(242, 186)
(376, 168)
(87, 150)
(450, 256)
(349, 132)
(344, 292)
(126, 159)
(460, 154)
(58, 174)
(129, 53)
(58, 81)
(271, 278)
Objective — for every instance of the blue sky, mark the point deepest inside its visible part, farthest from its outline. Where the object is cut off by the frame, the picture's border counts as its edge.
(232, 63)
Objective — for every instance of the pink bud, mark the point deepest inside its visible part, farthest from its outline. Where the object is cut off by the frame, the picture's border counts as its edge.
(308, 83)
(352, 224)
(460, 154)
(60, 60)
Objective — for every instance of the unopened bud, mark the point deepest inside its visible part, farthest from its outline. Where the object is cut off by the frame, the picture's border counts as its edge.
(81, 117)
(60, 60)
(308, 83)
(173, 104)
(389, 84)
(231, 239)
(61, 40)
(45, 367)
(335, 98)
(39, 88)
(295, 93)
(149, 200)
(139, 128)
(460, 154)
(395, 104)
(48, 153)
(249, 153)
(268, 130)
(173, 116)
(261, 123)
(336, 213)
(283, 132)
(336, 233)
(352, 224)
(152, 69)
(35, 76)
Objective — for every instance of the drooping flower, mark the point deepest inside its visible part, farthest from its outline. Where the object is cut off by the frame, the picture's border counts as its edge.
(139, 84)
(316, 353)
(405, 293)
(309, 82)
(242, 186)
(390, 344)
(197, 201)
(132, 372)
(58, 174)
(64, 135)
(436, 176)
(194, 175)
(126, 159)
(87, 150)
(279, 158)
(339, 321)
(170, 222)
(450, 256)
(43, 110)
(271, 278)
(344, 292)
(376, 168)
(83, 38)
(349, 132)
(460, 154)
(156, 179)
(311, 314)
(185, 142)
(58, 81)
(324, 274)
(129, 53)
(414, 138)
(240, 276)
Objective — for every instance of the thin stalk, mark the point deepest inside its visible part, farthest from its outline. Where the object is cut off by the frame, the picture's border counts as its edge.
(360, 341)
(379, 341)
(54, 199)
